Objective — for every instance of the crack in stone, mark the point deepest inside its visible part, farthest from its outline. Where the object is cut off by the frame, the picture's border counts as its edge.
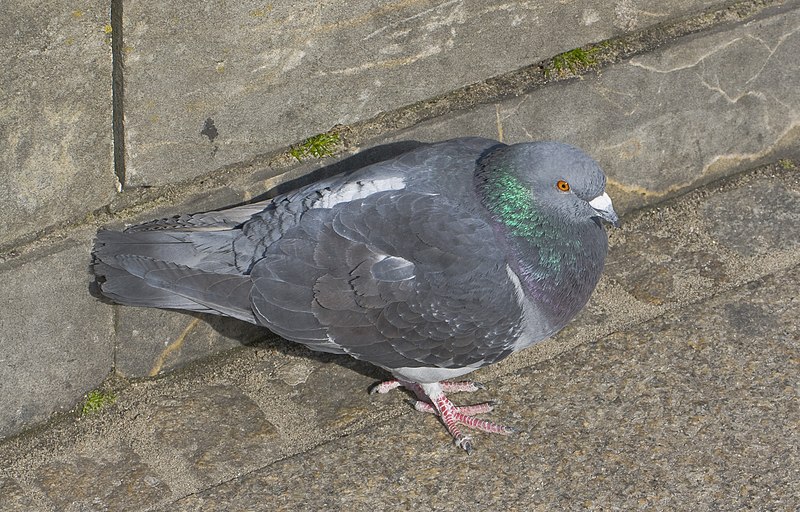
(754, 155)
(512, 111)
(654, 69)
(606, 93)
(707, 168)
(714, 84)
(412, 17)
(172, 347)
(781, 103)
(772, 51)
(499, 123)
(718, 89)
(386, 64)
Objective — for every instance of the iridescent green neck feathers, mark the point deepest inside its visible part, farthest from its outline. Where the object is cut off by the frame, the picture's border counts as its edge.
(510, 202)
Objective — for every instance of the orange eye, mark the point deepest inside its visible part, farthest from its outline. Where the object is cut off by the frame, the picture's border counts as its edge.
(562, 186)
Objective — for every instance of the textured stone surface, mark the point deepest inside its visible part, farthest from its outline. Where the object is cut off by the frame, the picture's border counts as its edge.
(256, 76)
(55, 114)
(752, 231)
(100, 476)
(55, 337)
(13, 497)
(669, 268)
(149, 342)
(180, 424)
(699, 406)
(669, 119)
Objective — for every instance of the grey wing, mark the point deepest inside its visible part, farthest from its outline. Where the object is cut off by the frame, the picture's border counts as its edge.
(444, 167)
(167, 263)
(399, 279)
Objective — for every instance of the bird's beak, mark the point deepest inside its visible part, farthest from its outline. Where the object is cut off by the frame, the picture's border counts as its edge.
(605, 210)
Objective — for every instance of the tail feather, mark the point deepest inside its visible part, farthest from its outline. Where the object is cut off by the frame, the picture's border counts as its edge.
(142, 281)
(194, 271)
(208, 251)
(124, 288)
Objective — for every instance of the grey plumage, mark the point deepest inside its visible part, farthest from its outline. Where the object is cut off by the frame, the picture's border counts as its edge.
(444, 259)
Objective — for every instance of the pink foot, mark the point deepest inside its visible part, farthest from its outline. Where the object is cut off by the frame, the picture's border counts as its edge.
(466, 410)
(432, 399)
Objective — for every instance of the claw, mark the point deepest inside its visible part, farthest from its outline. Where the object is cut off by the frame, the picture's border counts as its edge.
(453, 416)
(465, 443)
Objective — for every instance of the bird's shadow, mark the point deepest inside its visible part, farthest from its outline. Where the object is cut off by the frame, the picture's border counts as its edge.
(258, 337)
(261, 337)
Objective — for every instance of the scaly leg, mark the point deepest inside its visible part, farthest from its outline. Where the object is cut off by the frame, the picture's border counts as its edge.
(431, 398)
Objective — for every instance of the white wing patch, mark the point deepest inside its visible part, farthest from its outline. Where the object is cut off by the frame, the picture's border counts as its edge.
(353, 191)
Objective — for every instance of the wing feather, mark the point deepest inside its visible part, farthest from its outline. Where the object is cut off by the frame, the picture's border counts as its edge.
(399, 278)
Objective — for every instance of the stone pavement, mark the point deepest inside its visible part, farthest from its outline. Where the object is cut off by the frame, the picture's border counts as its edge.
(676, 388)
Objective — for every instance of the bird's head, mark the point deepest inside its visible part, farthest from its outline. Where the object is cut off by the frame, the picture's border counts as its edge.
(544, 182)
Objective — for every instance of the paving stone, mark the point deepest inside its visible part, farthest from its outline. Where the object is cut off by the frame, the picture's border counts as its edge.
(698, 406)
(652, 392)
(55, 337)
(756, 220)
(216, 430)
(55, 119)
(348, 408)
(659, 264)
(667, 120)
(101, 477)
(151, 341)
(255, 76)
(12, 497)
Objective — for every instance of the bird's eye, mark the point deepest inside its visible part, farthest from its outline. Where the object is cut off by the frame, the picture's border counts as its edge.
(562, 186)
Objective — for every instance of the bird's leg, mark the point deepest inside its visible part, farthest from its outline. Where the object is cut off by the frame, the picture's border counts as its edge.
(423, 403)
(431, 399)
(453, 416)
(467, 410)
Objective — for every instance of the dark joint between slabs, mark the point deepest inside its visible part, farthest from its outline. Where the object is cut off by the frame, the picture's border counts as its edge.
(118, 92)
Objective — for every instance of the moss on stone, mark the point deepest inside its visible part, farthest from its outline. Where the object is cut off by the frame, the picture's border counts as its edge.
(318, 146)
(96, 400)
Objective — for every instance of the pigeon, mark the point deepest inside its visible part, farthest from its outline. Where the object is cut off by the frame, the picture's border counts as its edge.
(432, 264)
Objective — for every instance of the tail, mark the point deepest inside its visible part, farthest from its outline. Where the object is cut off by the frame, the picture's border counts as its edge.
(173, 269)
